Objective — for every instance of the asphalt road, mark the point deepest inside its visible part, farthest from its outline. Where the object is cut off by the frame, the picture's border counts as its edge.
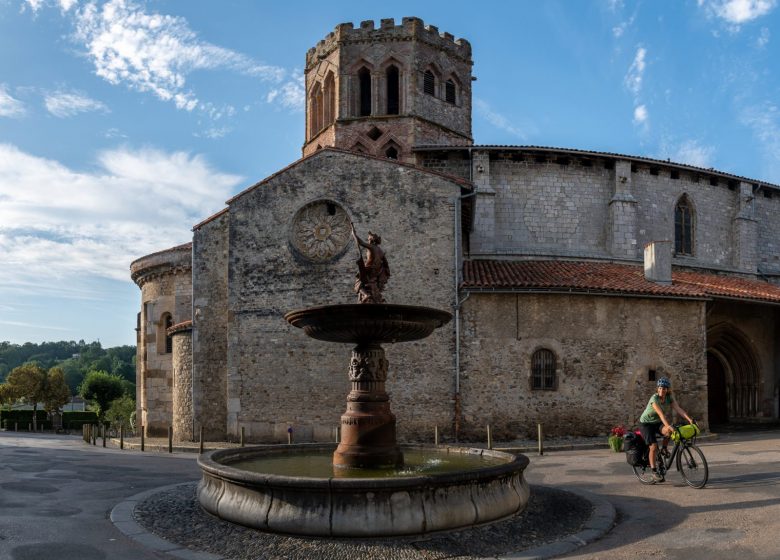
(56, 494)
(736, 516)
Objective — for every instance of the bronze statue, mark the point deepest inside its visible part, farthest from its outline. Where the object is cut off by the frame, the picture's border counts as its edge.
(373, 272)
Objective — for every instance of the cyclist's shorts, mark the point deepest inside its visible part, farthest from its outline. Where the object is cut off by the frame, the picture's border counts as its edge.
(650, 431)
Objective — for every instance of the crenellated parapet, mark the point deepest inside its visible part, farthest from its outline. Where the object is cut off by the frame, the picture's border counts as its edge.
(170, 261)
(411, 28)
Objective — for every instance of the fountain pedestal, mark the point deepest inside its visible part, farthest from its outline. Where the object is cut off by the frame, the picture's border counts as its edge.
(368, 437)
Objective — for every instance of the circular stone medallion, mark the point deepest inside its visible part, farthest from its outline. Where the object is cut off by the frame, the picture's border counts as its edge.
(320, 230)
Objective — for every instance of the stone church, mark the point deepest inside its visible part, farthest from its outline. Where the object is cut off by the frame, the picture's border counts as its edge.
(575, 278)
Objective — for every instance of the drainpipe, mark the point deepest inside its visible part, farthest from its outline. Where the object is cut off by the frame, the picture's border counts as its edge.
(457, 302)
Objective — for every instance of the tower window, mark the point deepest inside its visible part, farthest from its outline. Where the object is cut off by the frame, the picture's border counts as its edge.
(392, 90)
(391, 153)
(683, 227)
(364, 79)
(329, 102)
(543, 370)
(449, 91)
(429, 83)
(164, 340)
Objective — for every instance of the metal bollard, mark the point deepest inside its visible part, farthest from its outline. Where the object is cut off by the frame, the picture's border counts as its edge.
(242, 436)
(170, 439)
(489, 438)
(142, 438)
(436, 436)
(103, 430)
(94, 435)
(541, 438)
(200, 447)
(121, 436)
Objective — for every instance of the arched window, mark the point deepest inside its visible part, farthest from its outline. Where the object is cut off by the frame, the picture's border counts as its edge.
(392, 90)
(391, 152)
(449, 91)
(543, 370)
(429, 83)
(329, 108)
(364, 81)
(164, 340)
(683, 227)
(315, 110)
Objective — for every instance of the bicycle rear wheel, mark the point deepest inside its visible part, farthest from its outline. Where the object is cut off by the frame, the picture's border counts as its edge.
(693, 466)
(643, 473)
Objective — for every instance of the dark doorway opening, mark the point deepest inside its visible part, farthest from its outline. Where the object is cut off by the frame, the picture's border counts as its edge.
(717, 398)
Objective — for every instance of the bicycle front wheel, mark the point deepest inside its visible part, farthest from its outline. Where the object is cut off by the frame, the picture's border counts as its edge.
(693, 466)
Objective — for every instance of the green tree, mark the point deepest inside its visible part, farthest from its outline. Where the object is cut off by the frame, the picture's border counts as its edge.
(101, 388)
(121, 412)
(28, 382)
(7, 397)
(56, 393)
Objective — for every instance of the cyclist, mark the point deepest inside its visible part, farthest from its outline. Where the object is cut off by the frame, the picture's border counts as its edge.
(656, 420)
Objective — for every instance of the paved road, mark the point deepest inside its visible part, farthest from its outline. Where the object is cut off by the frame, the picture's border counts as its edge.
(56, 494)
(736, 516)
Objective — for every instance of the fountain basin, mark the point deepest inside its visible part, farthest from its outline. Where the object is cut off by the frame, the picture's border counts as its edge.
(338, 506)
(376, 323)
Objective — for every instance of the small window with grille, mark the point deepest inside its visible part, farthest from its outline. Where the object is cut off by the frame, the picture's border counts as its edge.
(449, 91)
(543, 370)
(429, 83)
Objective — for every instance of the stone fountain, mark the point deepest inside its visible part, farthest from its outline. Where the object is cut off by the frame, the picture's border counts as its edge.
(366, 488)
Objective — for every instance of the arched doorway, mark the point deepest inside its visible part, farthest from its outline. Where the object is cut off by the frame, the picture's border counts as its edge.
(733, 375)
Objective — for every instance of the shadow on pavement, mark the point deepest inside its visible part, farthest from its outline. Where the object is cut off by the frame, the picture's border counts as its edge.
(745, 480)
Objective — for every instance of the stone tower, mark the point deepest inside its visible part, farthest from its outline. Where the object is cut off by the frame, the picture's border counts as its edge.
(384, 91)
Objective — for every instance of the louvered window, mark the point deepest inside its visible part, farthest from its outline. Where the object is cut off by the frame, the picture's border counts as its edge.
(449, 90)
(429, 83)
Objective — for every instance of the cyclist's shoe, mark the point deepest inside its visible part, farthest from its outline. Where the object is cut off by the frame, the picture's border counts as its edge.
(657, 477)
(665, 452)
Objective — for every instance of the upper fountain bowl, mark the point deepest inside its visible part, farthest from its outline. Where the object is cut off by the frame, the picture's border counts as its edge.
(368, 323)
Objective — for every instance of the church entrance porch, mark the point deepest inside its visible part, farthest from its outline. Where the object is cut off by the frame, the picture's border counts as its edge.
(733, 376)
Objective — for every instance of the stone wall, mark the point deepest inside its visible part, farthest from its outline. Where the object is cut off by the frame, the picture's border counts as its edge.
(277, 377)
(183, 429)
(604, 348)
(560, 204)
(210, 318)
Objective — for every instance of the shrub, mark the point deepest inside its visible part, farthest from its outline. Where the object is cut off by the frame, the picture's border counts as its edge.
(23, 418)
(75, 419)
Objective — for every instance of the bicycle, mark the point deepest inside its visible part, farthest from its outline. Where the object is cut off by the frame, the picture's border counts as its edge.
(688, 458)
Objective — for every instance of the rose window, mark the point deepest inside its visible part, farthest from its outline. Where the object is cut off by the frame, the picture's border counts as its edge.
(321, 230)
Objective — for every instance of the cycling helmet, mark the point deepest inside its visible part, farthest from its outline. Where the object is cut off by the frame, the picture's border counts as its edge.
(664, 382)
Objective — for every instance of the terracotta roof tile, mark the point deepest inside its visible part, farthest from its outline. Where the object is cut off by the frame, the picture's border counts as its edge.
(584, 277)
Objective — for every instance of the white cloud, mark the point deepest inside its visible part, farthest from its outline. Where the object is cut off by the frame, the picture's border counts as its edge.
(67, 104)
(636, 72)
(736, 12)
(291, 94)
(9, 106)
(691, 152)
(155, 53)
(764, 121)
(640, 114)
(501, 122)
(59, 225)
(763, 38)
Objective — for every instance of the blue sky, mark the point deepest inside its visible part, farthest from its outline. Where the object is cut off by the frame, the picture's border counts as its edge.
(124, 123)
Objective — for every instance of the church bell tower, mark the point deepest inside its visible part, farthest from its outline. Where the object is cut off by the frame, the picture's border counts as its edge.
(384, 91)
